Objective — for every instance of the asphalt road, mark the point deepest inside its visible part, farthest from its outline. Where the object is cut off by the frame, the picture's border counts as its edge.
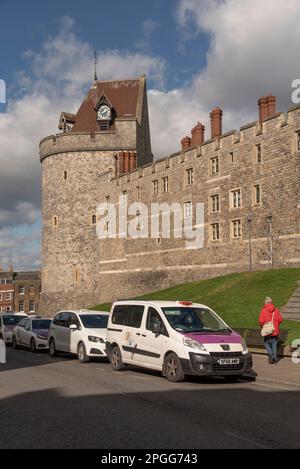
(59, 403)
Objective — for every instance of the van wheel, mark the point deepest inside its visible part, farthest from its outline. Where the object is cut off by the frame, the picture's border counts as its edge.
(32, 346)
(81, 353)
(52, 349)
(14, 342)
(116, 359)
(173, 369)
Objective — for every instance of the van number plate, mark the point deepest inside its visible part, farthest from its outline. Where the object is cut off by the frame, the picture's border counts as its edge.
(229, 361)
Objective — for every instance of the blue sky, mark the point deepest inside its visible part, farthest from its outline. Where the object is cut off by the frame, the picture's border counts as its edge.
(197, 54)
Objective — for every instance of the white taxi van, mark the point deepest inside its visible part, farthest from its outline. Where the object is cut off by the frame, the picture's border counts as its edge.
(177, 338)
(8, 321)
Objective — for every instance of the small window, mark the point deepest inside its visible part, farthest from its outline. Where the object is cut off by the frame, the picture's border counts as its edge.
(231, 157)
(258, 154)
(190, 177)
(214, 166)
(188, 210)
(55, 222)
(215, 203)
(155, 187)
(215, 231)
(31, 306)
(166, 184)
(104, 125)
(138, 193)
(77, 275)
(94, 220)
(124, 197)
(65, 175)
(257, 194)
(8, 296)
(236, 229)
(236, 198)
(21, 290)
(298, 140)
(21, 307)
(107, 201)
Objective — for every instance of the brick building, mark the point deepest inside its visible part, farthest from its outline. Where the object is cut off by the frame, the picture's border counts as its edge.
(248, 181)
(20, 291)
(6, 291)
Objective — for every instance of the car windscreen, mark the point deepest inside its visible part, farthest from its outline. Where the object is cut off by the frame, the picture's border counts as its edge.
(189, 319)
(94, 321)
(41, 323)
(12, 319)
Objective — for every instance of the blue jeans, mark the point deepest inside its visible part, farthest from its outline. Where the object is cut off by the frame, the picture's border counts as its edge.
(271, 346)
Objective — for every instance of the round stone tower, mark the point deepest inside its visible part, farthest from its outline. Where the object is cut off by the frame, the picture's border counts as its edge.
(112, 119)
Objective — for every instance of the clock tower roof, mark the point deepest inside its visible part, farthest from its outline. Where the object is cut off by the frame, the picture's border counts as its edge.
(126, 97)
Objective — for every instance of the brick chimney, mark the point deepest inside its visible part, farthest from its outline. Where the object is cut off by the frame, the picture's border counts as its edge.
(133, 161)
(263, 108)
(126, 161)
(10, 269)
(271, 102)
(198, 134)
(216, 122)
(185, 143)
(121, 160)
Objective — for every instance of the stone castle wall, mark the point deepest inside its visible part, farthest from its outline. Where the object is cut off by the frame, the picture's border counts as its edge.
(80, 270)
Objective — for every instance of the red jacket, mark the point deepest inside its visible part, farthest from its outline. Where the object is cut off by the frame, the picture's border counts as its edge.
(266, 316)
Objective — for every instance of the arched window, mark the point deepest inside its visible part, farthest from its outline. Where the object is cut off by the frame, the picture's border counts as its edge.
(55, 221)
(94, 220)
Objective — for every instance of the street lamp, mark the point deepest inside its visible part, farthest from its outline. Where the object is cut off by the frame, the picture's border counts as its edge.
(270, 241)
(250, 219)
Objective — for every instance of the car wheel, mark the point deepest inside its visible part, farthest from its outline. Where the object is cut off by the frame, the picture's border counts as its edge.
(116, 359)
(52, 348)
(14, 342)
(32, 346)
(81, 353)
(173, 369)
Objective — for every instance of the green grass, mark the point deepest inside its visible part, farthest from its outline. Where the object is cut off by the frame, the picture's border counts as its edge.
(237, 298)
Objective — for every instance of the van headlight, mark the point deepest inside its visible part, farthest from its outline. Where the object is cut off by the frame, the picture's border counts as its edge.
(99, 340)
(193, 344)
(245, 346)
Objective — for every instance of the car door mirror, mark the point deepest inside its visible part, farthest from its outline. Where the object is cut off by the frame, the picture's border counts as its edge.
(73, 327)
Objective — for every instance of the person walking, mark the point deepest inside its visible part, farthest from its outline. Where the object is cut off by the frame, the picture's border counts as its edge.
(270, 320)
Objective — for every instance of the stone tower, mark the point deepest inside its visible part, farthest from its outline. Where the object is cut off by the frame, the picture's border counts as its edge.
(110, 132)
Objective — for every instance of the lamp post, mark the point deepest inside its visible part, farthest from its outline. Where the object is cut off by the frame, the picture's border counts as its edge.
(250, 219)
(270, 241)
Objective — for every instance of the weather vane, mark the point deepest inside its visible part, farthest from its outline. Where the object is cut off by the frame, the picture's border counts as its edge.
(95, 62)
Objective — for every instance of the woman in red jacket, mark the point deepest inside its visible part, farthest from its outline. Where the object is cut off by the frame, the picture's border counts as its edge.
(269, 313)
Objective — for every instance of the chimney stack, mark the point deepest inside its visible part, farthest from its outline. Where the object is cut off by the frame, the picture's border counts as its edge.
(267, 107)
(185, 143)
(132, 161)
(121, 159)
(126, 161)
(216, 123)
(10, 269)
(271, 101)
(198, 134)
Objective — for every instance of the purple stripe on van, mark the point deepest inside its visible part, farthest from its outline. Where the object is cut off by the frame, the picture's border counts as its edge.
(211, 338)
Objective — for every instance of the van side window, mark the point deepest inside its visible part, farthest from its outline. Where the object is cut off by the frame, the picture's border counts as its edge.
(74, 320)
(153, 317)
(64, 319)
(134, 316)
(118, 316)
(56, 320)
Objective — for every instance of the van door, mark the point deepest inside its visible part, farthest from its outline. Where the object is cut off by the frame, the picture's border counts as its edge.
(75, 334)
(62, 332)
(131, 331)
(152, 343)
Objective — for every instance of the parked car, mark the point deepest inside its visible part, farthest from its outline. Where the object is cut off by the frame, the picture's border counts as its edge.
(32, 332)
(177, 338)
(8, 321)
(79, 332)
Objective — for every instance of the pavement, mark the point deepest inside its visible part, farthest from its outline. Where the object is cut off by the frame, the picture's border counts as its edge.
(59, 403)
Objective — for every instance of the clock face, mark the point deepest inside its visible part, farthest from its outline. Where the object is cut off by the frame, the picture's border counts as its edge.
(104, 113)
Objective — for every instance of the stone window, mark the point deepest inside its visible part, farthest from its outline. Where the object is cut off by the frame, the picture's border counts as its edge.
(8, 296)
(298, 140)
(21, 290)
(214, 166)
(166, 184)
(236, 229)
(138, 192)
(31, 306)
(188, 210)
(55, 222)
(77, 275)
(155, 187)
(94, 220)
(258, 154)
(257, 194)
(215, 203)
(21, 306)
(215, 231)
(231, 157)
(65, 175)
(189, 177)
(236, 198)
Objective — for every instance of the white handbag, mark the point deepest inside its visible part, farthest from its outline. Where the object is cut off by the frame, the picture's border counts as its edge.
(268, 328)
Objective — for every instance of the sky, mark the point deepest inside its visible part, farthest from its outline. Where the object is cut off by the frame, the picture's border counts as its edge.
(197, 54)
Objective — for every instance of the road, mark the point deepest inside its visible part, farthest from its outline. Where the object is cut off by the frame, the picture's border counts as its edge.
(59, 403)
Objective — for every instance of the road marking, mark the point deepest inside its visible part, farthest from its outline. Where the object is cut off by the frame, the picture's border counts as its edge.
(248, 440)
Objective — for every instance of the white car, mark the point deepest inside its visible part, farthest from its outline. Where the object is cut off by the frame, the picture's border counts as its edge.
(32, 332)
(79, 332)
(177, 338)
(8, 322)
